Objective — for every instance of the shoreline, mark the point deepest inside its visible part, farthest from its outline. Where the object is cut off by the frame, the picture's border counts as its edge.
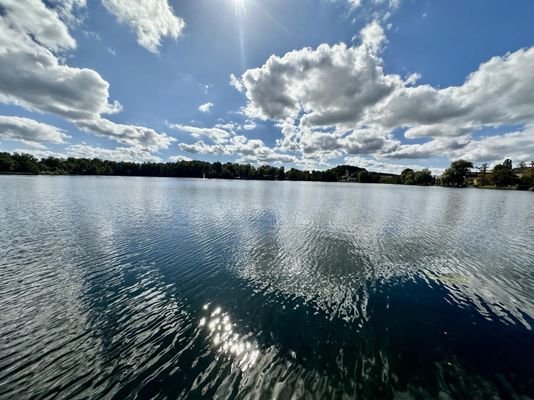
(487, 187)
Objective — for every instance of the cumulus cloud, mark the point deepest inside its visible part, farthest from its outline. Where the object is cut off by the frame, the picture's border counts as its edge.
(317, 96)
(354, 3)
(215, 134)
(225, 141)
(518, 145)
(32, 17)
(328, 85)
(206, 107)
(249, 150)
(338, 100)
(375, 165)
(151, 20)
(179, 158)
(131, 154)
(29, 131)
(372, 9)
(437, 146)
(40, 153)
(249, 125)
(67, 9)
(236, 83)
(140, 136)
(33, 76)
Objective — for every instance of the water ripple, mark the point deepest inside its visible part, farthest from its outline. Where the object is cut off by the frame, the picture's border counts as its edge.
(160, 288)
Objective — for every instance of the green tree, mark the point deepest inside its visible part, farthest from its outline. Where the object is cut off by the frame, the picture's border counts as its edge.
(7, 164)
(456, 174)
(281, 175)
(407, 177)
(502, 174)
(483, 172)
(423, 177)
(364, 177)
(26, 163)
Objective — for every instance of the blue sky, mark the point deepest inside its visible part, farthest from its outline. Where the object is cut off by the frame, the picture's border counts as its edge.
(382, 84)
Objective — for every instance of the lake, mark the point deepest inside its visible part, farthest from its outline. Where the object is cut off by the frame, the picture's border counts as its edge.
(148, 288)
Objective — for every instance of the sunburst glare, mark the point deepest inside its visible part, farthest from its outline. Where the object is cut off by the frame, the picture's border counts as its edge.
(239, 6)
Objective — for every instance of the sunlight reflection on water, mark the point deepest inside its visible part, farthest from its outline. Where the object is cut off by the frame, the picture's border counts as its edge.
(224, 339)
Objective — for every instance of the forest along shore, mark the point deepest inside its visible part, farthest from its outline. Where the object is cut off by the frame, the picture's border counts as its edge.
(461, 173)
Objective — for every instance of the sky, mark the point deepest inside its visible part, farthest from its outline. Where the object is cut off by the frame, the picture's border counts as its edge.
(380, 84)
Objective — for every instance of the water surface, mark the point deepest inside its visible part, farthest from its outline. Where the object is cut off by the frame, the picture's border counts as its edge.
(179, 288)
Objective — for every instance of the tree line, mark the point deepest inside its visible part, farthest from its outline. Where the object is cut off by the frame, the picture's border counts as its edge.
(21, 163)
(461, 173)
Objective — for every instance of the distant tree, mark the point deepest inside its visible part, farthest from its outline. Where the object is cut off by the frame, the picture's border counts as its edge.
(502, 175)
(456, 174)
(364, 177)
(389, 179)
(7, 164)
(483, 172)
(293, 174)
(281, 175)
(26, 163)
(407, 177)
(423, 177)
(522, 164)
(14, 163)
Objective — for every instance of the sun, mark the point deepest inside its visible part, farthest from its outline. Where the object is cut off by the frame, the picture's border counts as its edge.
(239, 6)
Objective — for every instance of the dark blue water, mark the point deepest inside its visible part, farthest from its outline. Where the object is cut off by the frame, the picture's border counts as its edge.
(166, 288)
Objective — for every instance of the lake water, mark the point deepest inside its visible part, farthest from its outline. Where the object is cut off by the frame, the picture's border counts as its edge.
(145, 288)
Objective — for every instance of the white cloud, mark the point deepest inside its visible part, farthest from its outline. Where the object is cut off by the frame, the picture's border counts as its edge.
(372, 35)
(518, 146)
(30, 132)
(225, 141)
(250, 150)
(336, 100)
(179, 158)
(151, 20)
(443, 146)
(217, 135)
(40, 153)
(34, 77)
(329, 85)
(67, 9)
(33, 18)
(380, 166)
(138, 136)
(249, 125)
(236, 83)
(354, 3)
(206, 107)
(232, 127)
(132, 154)
(367, 10)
